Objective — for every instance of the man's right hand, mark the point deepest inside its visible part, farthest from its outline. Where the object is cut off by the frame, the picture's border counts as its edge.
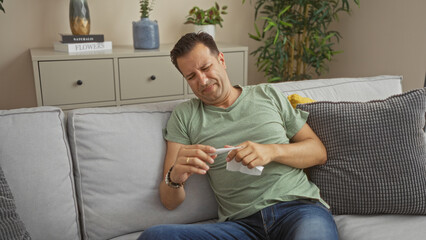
(187, 160)
(192, 159)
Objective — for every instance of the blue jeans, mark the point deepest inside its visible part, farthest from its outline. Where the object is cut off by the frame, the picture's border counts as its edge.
(300, 219)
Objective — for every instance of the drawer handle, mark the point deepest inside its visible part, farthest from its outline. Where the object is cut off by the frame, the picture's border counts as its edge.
(79, 82)
(153, 77)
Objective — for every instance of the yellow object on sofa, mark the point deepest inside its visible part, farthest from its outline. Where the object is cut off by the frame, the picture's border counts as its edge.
(296, 99)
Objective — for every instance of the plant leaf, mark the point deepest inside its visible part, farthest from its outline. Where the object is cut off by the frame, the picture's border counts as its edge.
(286, 24)
(329, 36)
(274, 79)
(257, 29)
(276, 37)
(337, 52)
(254, 37)
(270, 25)
(284, 10)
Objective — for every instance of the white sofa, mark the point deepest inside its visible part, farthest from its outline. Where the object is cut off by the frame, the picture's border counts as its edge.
(94, 173)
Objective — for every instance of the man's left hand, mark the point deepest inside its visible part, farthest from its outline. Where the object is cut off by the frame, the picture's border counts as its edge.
(252, 154)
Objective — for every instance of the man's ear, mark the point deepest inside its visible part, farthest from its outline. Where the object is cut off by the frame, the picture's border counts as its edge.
(221, 58)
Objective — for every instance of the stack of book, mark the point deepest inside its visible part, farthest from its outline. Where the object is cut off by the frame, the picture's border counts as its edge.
(82, 43)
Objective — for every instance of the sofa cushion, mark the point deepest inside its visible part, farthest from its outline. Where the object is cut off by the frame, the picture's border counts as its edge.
(381, 227)
(295, 99)
(344, 89)
(376, 154)
(36, 162)
(11, 226)
(119, 154)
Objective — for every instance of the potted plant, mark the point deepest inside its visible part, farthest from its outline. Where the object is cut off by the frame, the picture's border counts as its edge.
(296, 37)
(206, 20)
(145, 31)
(1, 6)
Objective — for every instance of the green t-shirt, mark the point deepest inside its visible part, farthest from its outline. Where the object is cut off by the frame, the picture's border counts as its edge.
(261, 114)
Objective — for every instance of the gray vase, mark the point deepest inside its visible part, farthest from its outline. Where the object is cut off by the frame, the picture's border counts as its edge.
(145, 34)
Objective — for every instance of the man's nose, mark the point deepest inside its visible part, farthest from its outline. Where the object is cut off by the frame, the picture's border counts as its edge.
(203, 79)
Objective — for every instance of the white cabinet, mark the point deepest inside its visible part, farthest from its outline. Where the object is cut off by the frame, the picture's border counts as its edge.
(119, 77)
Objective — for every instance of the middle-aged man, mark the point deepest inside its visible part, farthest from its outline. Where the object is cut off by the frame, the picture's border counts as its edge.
(281, 203)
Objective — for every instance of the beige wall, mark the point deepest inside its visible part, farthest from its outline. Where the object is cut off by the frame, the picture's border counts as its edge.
(383, 37)
(380, 37)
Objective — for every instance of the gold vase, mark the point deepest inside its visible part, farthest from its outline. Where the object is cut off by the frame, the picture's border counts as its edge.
(79, 17)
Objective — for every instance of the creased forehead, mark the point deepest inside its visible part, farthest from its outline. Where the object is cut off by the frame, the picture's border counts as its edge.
(196, 58)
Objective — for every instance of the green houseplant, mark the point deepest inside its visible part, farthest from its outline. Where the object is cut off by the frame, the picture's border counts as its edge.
(296, 37)
(212, 15)
(146, 7)
(145, 31)
(206, 20)
(1, 6)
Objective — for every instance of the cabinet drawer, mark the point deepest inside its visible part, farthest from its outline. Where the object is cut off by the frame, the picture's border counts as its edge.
(149, 77)
(234, 68)
(79, 81)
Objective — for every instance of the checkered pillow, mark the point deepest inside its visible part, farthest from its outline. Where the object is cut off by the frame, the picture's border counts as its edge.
(376, 154)
(11, 226)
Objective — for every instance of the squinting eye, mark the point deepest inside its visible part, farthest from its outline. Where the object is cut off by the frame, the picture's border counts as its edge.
(206, 68)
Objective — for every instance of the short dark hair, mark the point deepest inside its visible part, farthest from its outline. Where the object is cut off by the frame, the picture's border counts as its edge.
(187, 42)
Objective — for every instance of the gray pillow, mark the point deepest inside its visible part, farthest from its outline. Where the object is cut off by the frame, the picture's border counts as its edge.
(376, 154)
(35, 158)
(118, 155)
(11, 226)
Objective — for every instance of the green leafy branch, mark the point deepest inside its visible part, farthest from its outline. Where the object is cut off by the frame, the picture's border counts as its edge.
(146, 7)
(212, 15)
(1, 6)
(295, 36)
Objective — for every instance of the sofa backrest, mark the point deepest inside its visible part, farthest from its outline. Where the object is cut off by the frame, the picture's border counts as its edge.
(36, 162)
(344, 89)
(118, 156)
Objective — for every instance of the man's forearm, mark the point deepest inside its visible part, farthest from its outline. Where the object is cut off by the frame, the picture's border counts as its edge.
(186, 160)
(170, 197)
(303, 154)
(304, 151)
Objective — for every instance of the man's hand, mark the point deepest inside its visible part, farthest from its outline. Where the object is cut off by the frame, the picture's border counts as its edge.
(252, 154)
(305, 150)
(192, 159)
(187, 160)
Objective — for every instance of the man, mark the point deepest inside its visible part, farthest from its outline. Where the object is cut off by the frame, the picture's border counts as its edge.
(280, 203)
